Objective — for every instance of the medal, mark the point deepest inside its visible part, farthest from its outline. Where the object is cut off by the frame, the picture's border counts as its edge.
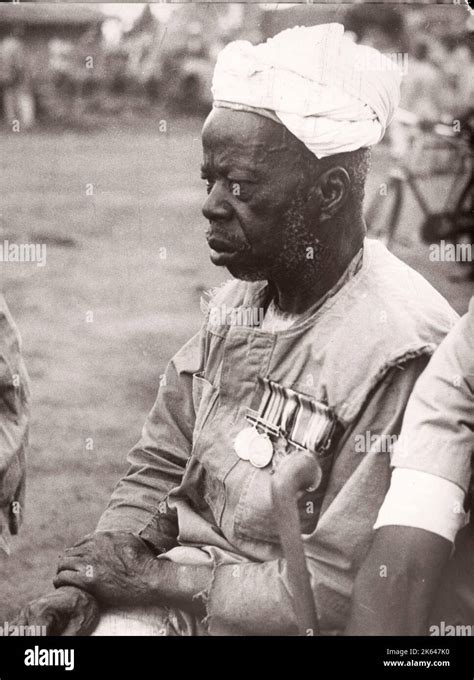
(261, 452)
(242, 442)
(253, 443)
(287, 418)
(253, 446)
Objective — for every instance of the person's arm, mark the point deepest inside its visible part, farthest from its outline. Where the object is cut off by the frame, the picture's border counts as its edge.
(137, 514)
(251, 598)
(415, 532)
(423, 511)
(395, 587)
(138, 503)
(14, 420)
(119, 568)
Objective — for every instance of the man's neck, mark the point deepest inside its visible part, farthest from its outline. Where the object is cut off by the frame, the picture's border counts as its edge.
(296, 294)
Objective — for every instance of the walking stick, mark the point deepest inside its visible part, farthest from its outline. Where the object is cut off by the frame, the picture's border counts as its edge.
(295, 473)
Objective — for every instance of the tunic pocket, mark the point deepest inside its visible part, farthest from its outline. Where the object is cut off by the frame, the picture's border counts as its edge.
(254, 517)
(204, 397)
(208, 471)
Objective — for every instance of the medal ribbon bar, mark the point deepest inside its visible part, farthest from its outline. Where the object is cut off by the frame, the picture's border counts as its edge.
(304, 422)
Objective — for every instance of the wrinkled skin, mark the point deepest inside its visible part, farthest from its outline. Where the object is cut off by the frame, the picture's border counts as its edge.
(271, 215)
(255, 178)
(68, 611)
(114, 567)
(108, 567)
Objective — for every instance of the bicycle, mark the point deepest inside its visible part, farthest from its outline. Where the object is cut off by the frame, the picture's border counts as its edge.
(455, 222)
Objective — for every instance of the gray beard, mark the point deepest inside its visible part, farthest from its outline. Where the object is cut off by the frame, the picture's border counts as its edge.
(300, 256)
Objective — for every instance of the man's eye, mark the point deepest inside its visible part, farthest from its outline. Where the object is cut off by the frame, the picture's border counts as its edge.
(209, 186)
(240, 189)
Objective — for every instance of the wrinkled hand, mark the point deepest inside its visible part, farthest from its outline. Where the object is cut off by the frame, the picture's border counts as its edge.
(68, 611)
(114, 567)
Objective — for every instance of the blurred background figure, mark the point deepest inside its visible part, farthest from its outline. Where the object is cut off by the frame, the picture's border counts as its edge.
(383, 28)
(73, 65)
(142, 45)
(422, 92)
(458, 72)
(15, 81)
(14, 427)
(189, 90)
(61, 65)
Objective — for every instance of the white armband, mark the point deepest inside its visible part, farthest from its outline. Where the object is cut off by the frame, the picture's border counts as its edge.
(423, 501)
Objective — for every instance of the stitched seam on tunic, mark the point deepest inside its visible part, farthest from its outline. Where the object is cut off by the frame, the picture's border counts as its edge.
(352, 406)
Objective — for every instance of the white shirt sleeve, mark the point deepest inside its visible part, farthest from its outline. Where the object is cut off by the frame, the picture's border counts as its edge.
(423, 501)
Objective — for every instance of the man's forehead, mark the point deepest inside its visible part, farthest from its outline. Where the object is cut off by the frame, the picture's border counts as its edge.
(227, 132)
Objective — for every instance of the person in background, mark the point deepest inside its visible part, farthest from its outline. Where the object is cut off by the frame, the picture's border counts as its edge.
(459, 70)
(14, 421)
(422, 94)
(421, 91)
(18, 96)
(425, 510)
(381, 27)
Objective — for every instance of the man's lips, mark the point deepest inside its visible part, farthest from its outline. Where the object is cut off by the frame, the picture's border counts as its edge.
(222, 246)
(222, 251)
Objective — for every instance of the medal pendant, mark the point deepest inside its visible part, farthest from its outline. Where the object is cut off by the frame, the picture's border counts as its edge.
(242, 443)
(261, 452)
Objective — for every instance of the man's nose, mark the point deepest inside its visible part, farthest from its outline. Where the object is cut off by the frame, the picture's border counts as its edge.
(216, 206)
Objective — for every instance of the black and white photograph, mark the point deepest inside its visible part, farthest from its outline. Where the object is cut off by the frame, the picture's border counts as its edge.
(237, 328)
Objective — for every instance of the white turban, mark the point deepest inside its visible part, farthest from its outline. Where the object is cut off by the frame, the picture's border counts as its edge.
(331, 93)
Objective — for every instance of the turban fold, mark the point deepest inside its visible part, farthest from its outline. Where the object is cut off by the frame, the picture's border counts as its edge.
(331, 93)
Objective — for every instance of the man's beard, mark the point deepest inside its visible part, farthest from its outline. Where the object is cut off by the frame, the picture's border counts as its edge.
(299, 256)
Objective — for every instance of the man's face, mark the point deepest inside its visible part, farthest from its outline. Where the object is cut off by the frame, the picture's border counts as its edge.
(257, 209)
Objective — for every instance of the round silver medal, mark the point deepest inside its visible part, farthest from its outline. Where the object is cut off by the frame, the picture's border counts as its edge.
(243, 441)
(261, 452)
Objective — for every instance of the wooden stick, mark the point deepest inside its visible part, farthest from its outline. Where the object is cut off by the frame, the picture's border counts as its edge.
(295, 473)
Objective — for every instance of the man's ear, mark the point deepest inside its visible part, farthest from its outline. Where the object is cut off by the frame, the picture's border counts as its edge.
(331, 191)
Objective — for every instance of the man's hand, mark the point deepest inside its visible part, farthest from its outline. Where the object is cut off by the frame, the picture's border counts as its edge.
(68, 611)
(114, 567)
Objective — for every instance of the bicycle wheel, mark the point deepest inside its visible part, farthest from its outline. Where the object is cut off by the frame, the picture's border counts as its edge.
(383, 213)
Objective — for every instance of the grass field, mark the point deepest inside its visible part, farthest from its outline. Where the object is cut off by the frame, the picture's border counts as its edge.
(126, 261)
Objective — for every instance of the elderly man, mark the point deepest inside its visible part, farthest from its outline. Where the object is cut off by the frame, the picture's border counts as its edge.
(189, 543)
